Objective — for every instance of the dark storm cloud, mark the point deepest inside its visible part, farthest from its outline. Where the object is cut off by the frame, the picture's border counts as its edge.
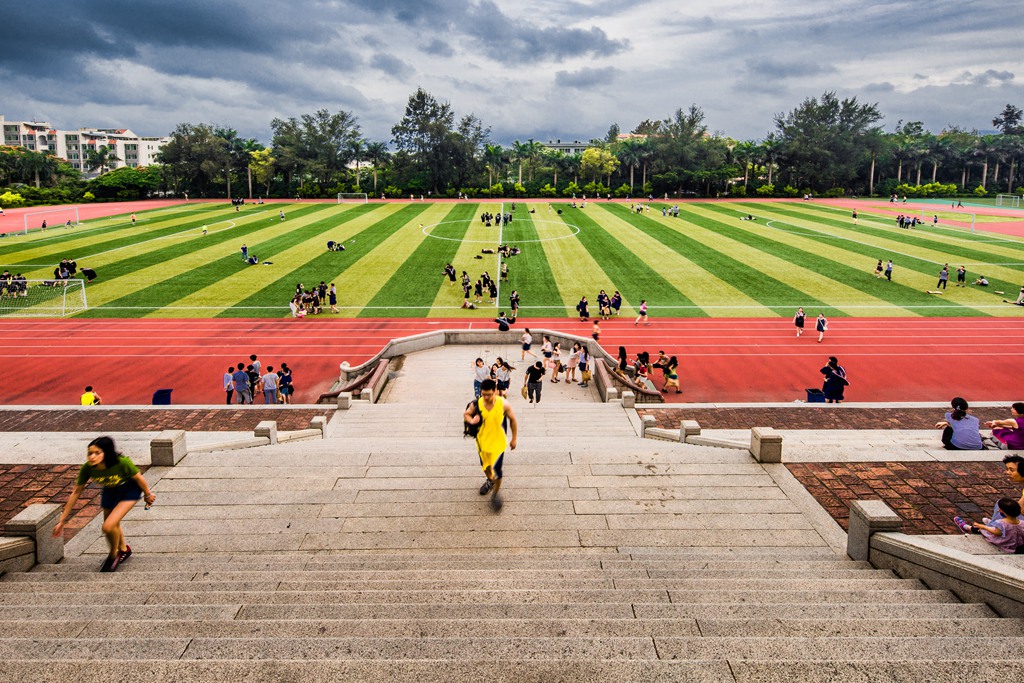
(438, 48)
(391, 65)
(585, 77)
(988, 77)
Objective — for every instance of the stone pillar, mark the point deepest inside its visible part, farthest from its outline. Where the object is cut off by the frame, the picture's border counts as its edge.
(688, 428)
(366, 395)
(167, 448)
(319, 422)
(37, 522)
(765, 444)
(345, 400)
(628, 399)
(612, 393)
(266, 429)
(646, 422)
(867, 517)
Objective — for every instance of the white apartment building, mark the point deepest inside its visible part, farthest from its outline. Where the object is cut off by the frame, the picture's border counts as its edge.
(73, 145)
(574, 147)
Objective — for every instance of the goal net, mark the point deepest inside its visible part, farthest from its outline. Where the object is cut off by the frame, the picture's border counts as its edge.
(353, 198)
(51, 218)
(41, 298)
(1012, 200)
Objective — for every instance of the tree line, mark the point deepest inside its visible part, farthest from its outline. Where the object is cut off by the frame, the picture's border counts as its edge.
(825, 146)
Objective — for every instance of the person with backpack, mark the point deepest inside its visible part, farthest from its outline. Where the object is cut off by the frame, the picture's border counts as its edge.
(488, 415)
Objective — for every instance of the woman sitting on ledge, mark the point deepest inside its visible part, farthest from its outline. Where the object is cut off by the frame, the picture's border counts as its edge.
(960, 431)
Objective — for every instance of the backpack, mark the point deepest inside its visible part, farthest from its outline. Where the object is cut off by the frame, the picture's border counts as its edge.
(468, 429)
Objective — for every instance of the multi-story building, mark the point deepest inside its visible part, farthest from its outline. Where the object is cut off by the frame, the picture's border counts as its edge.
(74, 145)
(574, 147)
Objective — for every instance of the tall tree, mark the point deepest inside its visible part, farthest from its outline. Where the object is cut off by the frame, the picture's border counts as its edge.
(262, 168)
(101, 158)
(315, 146)
(377, 154)
(194, 158)
(1009, 120)
(823, 139)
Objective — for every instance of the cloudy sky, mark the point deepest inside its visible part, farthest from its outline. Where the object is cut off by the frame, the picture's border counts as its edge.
(528, 68)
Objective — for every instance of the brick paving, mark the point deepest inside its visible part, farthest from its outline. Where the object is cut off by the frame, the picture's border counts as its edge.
(125, 420)
(23, 485)
(824, 417)
(925, 494)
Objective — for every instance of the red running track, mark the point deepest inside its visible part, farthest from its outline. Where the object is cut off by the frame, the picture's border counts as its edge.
(722, 360)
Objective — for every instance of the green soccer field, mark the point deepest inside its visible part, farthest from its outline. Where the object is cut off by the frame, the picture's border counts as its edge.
(707, 262)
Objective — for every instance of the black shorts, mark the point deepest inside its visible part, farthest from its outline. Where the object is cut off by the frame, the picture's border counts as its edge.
(112, 495)
(502, 385)
(526, 347)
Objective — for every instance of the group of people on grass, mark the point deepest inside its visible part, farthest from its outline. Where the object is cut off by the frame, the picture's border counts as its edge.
(311, 301)
(245, 381)
(12, 285)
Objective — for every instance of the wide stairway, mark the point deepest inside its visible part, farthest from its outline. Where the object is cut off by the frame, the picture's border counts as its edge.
(371, 556)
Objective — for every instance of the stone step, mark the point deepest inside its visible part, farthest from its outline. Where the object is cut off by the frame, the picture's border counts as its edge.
(513, 628)
(484, 597)
(320, 563)
(442, 671)
(872, 649)
(227, 573)
(104, 611)
(448, 583)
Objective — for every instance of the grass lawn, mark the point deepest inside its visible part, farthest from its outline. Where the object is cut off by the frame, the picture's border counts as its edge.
(705, 263)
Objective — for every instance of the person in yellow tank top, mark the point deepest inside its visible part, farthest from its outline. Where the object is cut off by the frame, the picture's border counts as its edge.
(489, 411)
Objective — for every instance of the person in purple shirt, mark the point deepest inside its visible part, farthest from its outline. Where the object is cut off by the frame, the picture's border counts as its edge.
(1009, 433)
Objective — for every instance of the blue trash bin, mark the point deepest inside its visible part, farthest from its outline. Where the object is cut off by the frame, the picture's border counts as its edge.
(162, 397)
(815, 396)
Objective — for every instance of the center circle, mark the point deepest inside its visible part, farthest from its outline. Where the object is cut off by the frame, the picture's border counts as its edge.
(574, 228)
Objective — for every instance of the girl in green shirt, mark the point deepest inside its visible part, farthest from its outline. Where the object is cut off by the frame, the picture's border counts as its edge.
(122, 484)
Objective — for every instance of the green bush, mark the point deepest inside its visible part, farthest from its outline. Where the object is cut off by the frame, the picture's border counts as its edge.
(790, 191)
(497, 190)
(9, 199)
(570, 190)
(88, 197)
(595, 190)
(622, 190)
(548, 191)
(929, 190)
(738, 191)
(980, 191)
(392, 192)
(519, 190)
(834, 192)
(766, 190)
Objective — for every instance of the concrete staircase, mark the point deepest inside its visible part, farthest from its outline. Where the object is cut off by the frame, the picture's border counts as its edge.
(371, 556)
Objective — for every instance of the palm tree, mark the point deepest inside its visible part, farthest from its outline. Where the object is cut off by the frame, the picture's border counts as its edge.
(248, 147)
(535, 154)
(771, 147)
(377, 154)
(629, 155)
(494, 158)
(520, 152)
(37, 165)
(356, 148)
(102, 159)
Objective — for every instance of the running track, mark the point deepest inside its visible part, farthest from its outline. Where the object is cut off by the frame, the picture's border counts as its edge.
(722, 360)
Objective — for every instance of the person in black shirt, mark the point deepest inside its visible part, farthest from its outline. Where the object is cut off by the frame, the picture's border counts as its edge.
(534, 381)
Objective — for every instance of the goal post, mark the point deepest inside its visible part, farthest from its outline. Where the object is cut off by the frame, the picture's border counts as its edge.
(1012, 200)
(353, 198)
(41, 298)
(55, 218)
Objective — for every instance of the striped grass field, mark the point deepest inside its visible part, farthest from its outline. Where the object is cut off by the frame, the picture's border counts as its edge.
(705, 263)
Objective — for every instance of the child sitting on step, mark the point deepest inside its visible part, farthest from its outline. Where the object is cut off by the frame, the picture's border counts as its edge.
(1006, 533)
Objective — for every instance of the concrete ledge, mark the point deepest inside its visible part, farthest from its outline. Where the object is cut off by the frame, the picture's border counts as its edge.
(319, 423)
(765, 444)
(688, 428)
(266, 430)
(366, 395)
(972, 578)
(37, 522)
(231, 445)
(663, 434)
(866, 518)
(17, 554)
(168, 448)
(344, 400)
(717, 443)
(628, 399)
(646, 422)
(300, 435)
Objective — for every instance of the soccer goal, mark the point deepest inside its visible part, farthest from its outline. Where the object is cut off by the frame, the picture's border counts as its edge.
(353, 198)
(53, 218)
(1012, 200)
(41, 298)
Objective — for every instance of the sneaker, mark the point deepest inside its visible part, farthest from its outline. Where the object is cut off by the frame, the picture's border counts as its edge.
(964, 526)
(497, 501)
(486, 488)
(110, 564)
(124, 554)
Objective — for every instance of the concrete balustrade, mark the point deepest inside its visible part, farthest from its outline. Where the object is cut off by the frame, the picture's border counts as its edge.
(37, 522)
(266, 430)
(866, 518)
(168, 448)
(766, 444)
